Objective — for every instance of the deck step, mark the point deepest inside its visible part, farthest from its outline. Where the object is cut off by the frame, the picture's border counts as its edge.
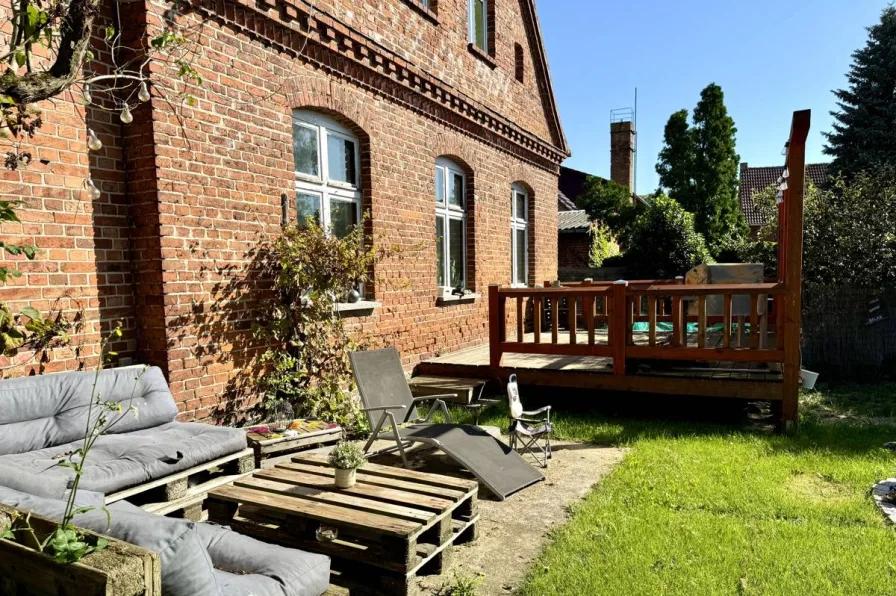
(465, 391)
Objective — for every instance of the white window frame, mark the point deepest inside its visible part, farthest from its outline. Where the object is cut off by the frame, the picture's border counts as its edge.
(329, 190)
(519, 222)
(449, 213)
(471, 19)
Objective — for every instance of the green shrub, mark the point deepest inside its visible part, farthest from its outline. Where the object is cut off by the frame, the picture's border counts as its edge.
(603, 245)
(662, 242)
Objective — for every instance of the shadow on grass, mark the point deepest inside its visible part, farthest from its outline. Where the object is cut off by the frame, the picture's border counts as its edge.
(622, 419)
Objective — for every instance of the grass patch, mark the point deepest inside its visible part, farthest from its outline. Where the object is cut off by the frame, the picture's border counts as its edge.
(711, 509)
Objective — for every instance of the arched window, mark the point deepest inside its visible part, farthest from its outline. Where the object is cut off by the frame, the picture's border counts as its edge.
(327, 172)
(519, 235)
(451, 224)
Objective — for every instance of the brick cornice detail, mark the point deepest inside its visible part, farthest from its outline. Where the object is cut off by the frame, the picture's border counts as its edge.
(317, 37)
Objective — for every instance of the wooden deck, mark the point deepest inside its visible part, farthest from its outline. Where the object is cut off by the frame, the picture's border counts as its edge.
(748, 380)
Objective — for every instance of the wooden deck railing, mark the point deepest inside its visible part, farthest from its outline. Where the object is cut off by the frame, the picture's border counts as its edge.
(613, 308)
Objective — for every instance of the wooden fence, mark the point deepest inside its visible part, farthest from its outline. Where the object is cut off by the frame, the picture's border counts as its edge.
(591, 308)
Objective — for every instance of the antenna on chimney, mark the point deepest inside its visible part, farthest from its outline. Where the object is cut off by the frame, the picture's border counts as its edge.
(630, 115)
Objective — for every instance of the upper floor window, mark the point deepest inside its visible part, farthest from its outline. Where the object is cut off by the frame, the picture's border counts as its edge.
(327, 172)
(519, 63)
(519, 235)
(478, 19)
(451, 224)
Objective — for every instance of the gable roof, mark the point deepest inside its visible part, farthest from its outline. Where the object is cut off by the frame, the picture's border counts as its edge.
(573, 221)
(753, 180)
(564, 203)
(536, 41)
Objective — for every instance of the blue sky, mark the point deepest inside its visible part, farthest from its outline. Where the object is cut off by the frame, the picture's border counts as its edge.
(771, 57)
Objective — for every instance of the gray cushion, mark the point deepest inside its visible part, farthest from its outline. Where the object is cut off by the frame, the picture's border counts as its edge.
(48, 410)
(118, 461)
(273, 570)
(186, 566)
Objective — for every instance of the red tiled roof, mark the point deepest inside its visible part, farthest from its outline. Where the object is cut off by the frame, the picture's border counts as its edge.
(563, 202)
(752, 180)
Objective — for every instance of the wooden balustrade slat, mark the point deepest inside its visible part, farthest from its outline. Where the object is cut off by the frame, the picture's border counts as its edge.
(519, 318)
(555, 315)
(571, 319)
(536, 318)
(701, 321)
(588, 308)
(754, 322)
(676, 321)
(630, 317)
(726, 329)
(651, 325)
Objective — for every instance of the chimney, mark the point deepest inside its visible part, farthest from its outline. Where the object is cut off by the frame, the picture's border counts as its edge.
(622, 153)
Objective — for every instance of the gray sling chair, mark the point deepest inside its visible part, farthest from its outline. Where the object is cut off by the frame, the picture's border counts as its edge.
(392, 412)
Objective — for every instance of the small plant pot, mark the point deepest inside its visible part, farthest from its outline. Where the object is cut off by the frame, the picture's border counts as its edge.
(345, 478)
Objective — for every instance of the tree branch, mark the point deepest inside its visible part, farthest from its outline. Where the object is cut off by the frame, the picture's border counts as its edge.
(74, 43)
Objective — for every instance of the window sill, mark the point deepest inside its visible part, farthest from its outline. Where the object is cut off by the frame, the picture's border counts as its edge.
(425, 12)
(361, 308)
(449, 300)
(474, 49)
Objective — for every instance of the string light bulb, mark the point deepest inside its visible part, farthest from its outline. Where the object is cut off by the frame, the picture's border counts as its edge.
(126, 115)
(93, 142)
(786, 173)
(94, 192)
(143, 93)
(85, 94)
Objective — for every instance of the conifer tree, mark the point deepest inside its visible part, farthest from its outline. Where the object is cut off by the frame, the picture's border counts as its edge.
(864, 134)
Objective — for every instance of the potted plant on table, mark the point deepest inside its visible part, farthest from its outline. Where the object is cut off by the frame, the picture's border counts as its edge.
(346, 458)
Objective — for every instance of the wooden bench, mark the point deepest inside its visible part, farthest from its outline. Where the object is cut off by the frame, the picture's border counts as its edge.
(392, 525)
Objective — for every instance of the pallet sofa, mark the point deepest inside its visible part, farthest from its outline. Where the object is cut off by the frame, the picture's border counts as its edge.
(43, 420)
(197, 559)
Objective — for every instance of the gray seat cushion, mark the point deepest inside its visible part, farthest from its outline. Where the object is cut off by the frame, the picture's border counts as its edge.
(118, 461)
(245, 566)
(49, 410)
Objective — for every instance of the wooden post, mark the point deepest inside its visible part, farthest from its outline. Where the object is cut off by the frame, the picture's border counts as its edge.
(793, 265)
(619, 322)
(495, 325)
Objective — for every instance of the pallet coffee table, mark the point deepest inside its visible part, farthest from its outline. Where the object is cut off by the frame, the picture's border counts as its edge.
(392, 525)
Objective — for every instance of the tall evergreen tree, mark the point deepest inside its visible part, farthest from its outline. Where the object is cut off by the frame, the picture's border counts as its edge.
(676, 161)
(698, 167)
(715, 172)
(863, 135)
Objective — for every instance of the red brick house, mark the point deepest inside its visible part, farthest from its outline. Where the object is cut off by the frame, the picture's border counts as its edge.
(757, 178)
(436, 117)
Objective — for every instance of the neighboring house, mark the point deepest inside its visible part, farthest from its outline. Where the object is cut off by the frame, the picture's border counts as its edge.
(753, 180)
(437, 118)
(573, 225)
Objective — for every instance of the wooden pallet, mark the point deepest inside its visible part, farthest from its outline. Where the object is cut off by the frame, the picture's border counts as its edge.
(311, 433)
(393, 524)
(183, 494)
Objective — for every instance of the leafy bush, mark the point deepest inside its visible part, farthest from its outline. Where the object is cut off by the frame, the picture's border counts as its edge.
(609, 203)
(662, 242)
(849, 231)
(603, 245)
(308, 365)
(347, 456)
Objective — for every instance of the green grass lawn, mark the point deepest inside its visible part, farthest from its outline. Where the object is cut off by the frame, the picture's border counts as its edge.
(698, 509)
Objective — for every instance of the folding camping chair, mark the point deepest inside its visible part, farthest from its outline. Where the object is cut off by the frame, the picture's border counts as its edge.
(527, 433)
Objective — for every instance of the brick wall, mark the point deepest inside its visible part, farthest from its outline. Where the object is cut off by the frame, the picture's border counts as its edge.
(573, 250)
(191, 193)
